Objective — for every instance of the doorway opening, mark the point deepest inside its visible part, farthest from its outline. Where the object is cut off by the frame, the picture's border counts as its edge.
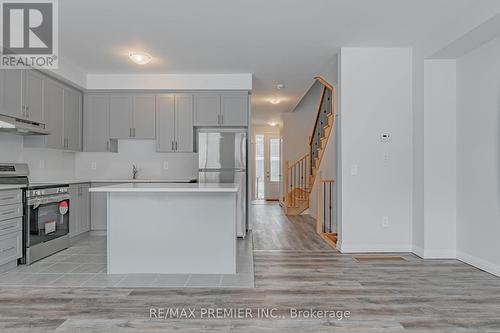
(267, 166)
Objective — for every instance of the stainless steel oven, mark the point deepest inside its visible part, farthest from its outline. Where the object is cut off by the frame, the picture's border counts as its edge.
(46, 228)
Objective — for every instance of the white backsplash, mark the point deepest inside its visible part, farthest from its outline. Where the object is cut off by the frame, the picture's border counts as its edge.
(50, 164)
(142, 153)
(44, 164)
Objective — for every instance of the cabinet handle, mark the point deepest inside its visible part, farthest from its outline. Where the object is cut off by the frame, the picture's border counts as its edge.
(176, 146)
(27, 111)
(107, 145)
(172, 145)
(133, 129)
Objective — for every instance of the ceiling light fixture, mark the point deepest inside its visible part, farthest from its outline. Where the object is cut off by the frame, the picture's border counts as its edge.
(275, 100)
(140, 58)
(273, 124)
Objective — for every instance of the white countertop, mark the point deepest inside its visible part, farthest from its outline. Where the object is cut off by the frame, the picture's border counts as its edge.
(80, 181)
(11, 186)
(169, 187)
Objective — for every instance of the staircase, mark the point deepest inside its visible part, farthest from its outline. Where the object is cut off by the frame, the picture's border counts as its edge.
(301, 174)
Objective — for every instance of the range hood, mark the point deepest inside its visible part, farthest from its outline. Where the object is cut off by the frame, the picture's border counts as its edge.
(21, 127)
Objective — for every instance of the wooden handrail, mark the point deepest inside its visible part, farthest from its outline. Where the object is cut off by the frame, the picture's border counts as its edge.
(299, 160)
(328, 180)
(318, 112)
(323, 82)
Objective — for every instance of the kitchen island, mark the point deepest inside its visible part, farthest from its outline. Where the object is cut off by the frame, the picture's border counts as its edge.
(170, 228)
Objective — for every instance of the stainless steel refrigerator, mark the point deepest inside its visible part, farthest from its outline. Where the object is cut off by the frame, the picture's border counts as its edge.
(222, 157)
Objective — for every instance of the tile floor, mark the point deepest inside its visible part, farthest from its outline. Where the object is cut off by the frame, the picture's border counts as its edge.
(84, 265)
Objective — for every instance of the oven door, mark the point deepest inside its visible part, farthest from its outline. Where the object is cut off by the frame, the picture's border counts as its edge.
(48, 218)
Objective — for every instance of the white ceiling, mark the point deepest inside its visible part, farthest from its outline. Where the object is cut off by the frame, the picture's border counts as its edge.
(279, 41)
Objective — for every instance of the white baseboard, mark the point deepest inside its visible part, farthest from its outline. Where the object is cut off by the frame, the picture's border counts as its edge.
(439, 254)
(98, 232)
(479, 263)
(417, 250)
(364, 248)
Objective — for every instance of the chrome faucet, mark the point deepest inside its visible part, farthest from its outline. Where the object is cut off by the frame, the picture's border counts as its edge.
(135, 171)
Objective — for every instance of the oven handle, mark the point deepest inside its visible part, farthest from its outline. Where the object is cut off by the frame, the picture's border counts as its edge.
(45, 200)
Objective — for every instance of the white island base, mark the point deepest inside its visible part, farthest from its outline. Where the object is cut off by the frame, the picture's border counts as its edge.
(171, 228)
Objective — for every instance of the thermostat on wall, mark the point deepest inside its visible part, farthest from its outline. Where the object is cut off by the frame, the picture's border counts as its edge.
(385, 137)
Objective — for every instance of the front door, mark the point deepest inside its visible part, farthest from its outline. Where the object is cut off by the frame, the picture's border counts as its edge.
(272, 167)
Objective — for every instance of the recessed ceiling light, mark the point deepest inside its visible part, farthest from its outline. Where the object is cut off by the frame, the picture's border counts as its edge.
(140, 58)
(275, 100)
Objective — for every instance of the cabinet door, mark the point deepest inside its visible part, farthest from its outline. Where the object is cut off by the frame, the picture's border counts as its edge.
(143, 117)
(120, 117)
(234, 110)
(54, 116)
(184, 123)
(95, 123)
(72, 119)
(74, 205)
(33, 97)
(165, 123)
(207, 109)
(12, 91)
(84, 211)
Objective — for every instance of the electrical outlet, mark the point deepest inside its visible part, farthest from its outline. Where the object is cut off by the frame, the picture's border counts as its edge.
(385, 221)
(354, 169)
(41, 164)
(165, 165)
(93, 166)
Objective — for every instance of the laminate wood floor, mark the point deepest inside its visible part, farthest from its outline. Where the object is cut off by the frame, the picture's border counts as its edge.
(382, 296)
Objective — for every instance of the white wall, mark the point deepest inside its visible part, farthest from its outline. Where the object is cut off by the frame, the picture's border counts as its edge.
(376, 97)
(142, 153)
(44, 164)
(439, 162)
(478, 157)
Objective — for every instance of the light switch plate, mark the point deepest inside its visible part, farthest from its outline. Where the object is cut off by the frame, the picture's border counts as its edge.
(385, 221)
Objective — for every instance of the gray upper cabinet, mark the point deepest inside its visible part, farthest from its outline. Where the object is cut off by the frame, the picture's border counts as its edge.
(234, 109)
(227, 109)
(175, 123)
(54, 114)
(132, 116)
(120, 117)
(207, 109)
(165, 122)
(143, 116)
(96, 124)
(33, 97)
(56, 105)
(12, 93)
(72, 119)
(184, 123)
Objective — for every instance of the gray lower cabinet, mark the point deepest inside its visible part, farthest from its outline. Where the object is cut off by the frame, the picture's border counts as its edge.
(175, 123)
(132, 116)
(79, 213)
(221, 109)
(99, 208)
(11, 213)
(96, 124)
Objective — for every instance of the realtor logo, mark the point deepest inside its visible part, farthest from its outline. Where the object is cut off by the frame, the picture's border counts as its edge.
(29, 34)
